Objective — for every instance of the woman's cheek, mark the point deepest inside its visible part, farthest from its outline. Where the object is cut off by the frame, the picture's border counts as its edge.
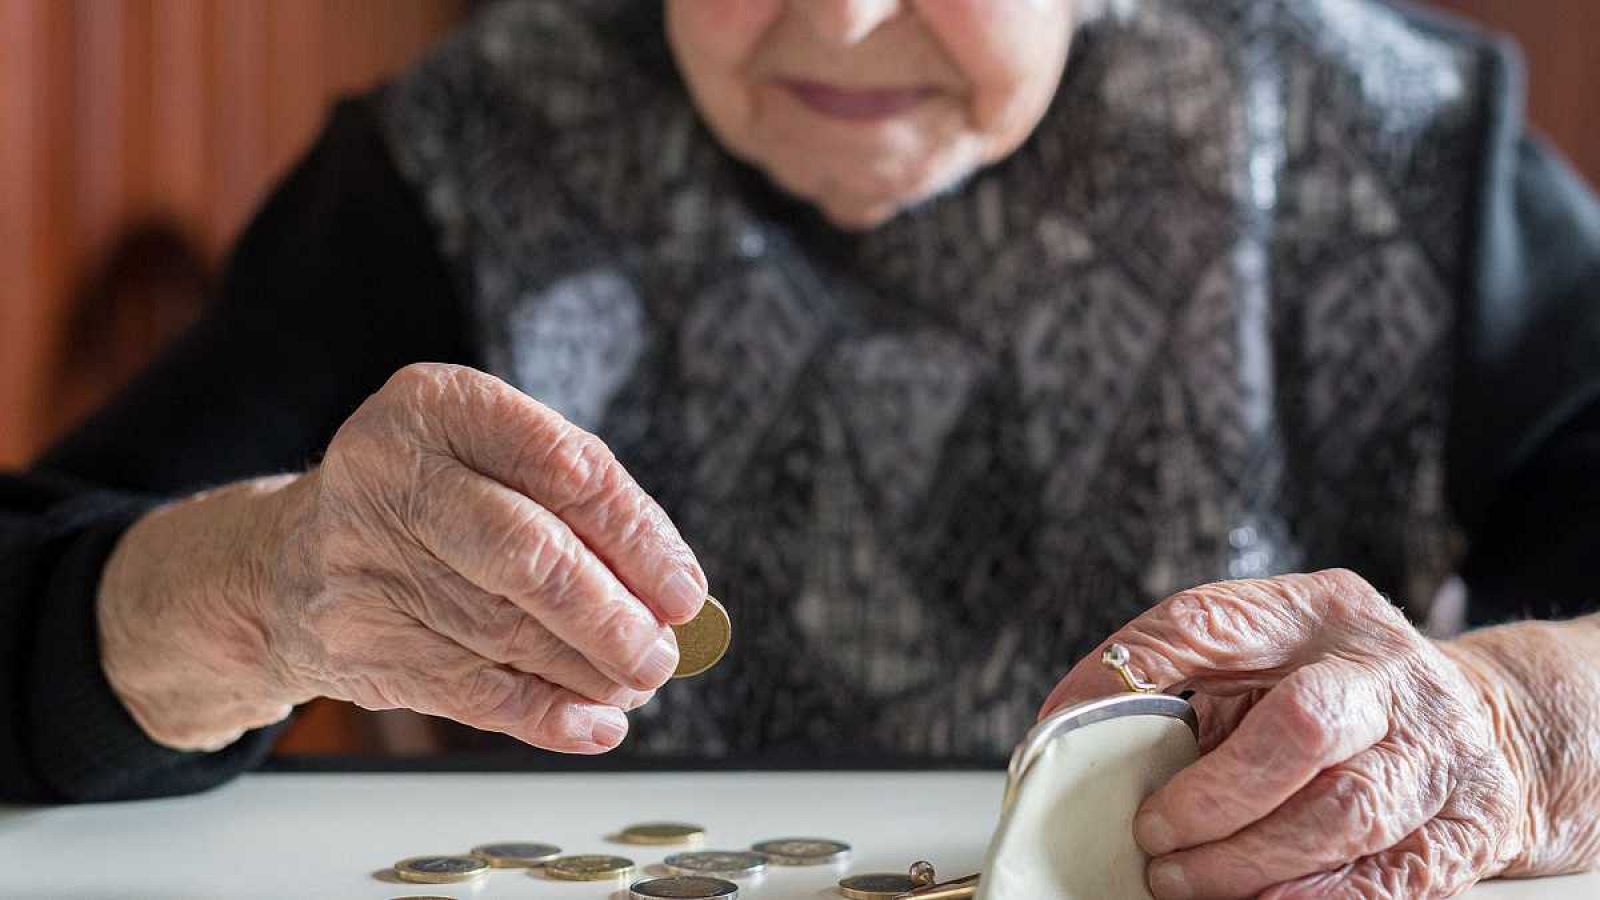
(1011, 52)
(720, 32)
(997, 41)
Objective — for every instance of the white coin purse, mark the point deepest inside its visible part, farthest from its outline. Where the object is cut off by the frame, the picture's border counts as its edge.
(1066, 830)
(1075, 782)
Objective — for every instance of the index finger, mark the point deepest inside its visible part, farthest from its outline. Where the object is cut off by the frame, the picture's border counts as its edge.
(1233, 635)
(509, 546)
(1319, 715)
(504, 434)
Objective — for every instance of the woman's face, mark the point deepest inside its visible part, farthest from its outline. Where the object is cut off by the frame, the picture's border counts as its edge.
(865, 107)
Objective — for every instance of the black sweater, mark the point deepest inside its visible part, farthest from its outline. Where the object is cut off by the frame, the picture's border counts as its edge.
(339, 281)
(276, 368)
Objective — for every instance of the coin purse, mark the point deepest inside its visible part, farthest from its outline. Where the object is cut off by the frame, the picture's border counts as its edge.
(1075, 782)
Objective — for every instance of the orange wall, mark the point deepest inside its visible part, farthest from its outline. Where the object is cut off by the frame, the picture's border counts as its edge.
(1558, 38)
(116, 111)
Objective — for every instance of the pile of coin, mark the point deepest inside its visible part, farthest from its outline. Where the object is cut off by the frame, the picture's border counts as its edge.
(693, 874)
(453, 868)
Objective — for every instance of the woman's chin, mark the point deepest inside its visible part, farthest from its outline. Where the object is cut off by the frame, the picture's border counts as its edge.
(850, 210)
(857, 201)
(851, 217)
(862, 214)
(861, 209)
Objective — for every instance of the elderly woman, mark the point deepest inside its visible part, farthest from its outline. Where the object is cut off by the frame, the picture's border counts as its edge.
(944, 337)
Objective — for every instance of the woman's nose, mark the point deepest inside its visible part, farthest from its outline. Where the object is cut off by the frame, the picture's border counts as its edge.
(845, 21)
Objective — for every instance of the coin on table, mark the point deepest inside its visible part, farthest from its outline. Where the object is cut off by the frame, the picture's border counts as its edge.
(703, 639)
(803, 851)
(516, 854)
(588, 867)
(877, 886)
(684, 887)
(440, 869)
(719, 863)
(661, 833)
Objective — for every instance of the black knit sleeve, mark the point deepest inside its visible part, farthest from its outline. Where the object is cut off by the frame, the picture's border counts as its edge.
(1525, 439)
(335, 284)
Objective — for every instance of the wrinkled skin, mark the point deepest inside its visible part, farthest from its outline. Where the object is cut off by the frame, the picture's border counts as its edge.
(989, 68)
(1344, 754)
(462, 551)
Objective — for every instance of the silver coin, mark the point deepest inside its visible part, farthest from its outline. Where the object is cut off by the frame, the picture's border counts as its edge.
(803, 851)
(723, 863)
(876, 886)
(513, 854)
(684, 887)
(440, 869)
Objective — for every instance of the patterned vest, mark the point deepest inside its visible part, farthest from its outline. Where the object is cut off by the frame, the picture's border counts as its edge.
(1197, 327)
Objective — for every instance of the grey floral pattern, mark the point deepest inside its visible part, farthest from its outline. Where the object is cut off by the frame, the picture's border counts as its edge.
(1196, 328)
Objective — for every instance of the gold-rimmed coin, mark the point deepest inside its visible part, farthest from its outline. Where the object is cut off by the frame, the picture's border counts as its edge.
(516, 854)
(803, 851)
(703, 639)
(717, 863)
(440, 869)
(683, 887)
(661, 833)
(876, 886)
(589, 867)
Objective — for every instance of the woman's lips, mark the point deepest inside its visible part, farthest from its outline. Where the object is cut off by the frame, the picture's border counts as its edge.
(857, 104)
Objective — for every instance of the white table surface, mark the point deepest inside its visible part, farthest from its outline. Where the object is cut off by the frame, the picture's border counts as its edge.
(333, 835)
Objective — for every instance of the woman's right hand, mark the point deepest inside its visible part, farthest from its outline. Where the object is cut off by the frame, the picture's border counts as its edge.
(462, 551)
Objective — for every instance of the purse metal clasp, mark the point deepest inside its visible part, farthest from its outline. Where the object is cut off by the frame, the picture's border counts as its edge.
(1117, 657)
(928, 886)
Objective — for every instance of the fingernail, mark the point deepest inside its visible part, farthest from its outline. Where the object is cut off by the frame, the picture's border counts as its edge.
(635, 699)
(609, 728)
(659, 663)
(1167, 881)
(1154, 834)
(681, 595)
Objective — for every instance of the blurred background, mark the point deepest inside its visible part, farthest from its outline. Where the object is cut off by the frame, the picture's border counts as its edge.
(136, 137)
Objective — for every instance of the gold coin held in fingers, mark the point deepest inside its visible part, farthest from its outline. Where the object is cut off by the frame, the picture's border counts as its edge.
(703, 639)
(589, 867)
(877, 886)
(440, 869)
(661, 833)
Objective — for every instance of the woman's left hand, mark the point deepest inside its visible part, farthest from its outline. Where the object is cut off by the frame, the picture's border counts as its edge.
(1344, 754)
